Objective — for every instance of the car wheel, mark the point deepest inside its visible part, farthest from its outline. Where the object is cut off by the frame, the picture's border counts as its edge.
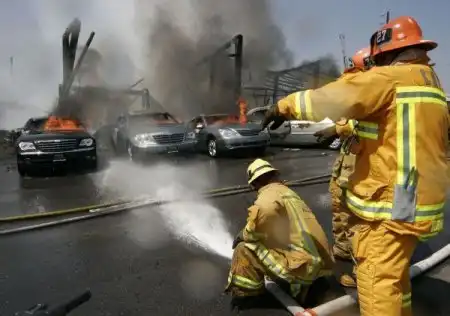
(212, 148)
(22, 171)
(336, 144)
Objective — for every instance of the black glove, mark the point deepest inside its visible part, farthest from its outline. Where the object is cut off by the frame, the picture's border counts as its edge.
(272, 115)
(239, 238)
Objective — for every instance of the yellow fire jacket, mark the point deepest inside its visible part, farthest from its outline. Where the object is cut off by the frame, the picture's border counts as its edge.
(285, 235)
(399, 171)
(344, 164)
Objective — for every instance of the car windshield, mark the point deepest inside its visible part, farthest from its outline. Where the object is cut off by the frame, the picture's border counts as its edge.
(153, 118)
(221, 119)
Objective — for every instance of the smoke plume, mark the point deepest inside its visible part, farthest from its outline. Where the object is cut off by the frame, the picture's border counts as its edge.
(180, 33)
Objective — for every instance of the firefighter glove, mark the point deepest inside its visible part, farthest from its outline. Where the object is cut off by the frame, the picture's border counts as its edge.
(272, 116)
(239, 238)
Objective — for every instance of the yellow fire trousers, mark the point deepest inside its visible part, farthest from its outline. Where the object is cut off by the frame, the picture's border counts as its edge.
(341, 222)
(383, 259)
(246, 277)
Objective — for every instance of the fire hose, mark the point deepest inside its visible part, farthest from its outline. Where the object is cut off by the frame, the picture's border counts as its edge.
(346, 301)
(115, 208)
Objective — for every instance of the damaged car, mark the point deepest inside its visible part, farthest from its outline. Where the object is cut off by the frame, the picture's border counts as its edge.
(220, 133)
(145, 133)
(296, 133)
(52, 142)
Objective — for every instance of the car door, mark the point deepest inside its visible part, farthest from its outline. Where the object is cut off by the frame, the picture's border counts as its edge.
(119, 131)
(193, 125)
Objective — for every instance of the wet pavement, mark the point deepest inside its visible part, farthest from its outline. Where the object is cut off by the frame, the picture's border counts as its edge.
(135, 263)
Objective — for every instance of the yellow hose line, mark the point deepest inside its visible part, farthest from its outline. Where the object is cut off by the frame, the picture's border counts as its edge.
(87, 208)
(57, 213)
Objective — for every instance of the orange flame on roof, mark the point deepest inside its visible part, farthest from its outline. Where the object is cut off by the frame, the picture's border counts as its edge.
(55, 123)
(242, 110)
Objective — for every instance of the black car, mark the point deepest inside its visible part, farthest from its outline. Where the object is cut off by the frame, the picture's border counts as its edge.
(38, 148)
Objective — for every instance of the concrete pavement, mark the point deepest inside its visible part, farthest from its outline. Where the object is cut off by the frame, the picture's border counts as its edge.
(135, 264)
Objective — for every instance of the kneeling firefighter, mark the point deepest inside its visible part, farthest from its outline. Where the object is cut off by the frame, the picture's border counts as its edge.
(398, 188)
(349, 131)
(282, 240)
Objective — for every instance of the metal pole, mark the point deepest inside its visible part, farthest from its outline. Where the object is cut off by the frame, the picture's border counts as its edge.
(238, 43)
(11, 66)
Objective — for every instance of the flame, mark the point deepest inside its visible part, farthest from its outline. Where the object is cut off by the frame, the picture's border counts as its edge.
(55, 123)
(242, 110)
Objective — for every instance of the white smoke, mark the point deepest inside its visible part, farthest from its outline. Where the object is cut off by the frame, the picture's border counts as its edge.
(194, 221)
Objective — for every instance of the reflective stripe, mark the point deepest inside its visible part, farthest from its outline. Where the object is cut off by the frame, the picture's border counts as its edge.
(367, 130)
(419, 94)
(243, 282)
(295, 289)
(406, 140)
(406, 300)
(269, 261)
(303, 109)
(374, 210)
(252, 236)
(293, 205)
(352, 124)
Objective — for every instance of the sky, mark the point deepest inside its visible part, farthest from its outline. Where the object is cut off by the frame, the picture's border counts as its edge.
(31, 31)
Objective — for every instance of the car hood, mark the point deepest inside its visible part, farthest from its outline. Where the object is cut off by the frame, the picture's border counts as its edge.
(54, 135)
(164, 129)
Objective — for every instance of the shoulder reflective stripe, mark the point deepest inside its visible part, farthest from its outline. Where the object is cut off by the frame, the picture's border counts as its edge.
(406, 140)
(382, 210)
(303, 109)
(367, 130)
(416, 94)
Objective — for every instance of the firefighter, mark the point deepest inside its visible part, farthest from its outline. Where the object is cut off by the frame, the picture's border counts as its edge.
(397, 189)
(342, 168)
(282, 240)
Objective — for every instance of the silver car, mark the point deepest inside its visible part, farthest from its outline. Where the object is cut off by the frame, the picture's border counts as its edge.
(296, 133)
(221, 133)
(145, 133)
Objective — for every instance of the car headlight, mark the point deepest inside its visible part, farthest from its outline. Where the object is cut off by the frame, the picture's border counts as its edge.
(86, 142)
(26, 146)
(228, 133)
(144, 140)
(190, 135)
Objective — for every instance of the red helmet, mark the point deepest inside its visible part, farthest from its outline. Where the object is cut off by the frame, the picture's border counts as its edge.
(401, 32)
(361, 59)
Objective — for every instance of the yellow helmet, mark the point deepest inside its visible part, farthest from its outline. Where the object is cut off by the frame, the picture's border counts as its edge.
(257, 168)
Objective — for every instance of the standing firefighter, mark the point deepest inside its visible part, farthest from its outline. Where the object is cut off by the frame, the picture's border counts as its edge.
(398, 188)
(350, 131)
(281, 240)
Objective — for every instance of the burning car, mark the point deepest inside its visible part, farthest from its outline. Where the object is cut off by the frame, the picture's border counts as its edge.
(52, 141)
(144, 133)
(219, 133)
